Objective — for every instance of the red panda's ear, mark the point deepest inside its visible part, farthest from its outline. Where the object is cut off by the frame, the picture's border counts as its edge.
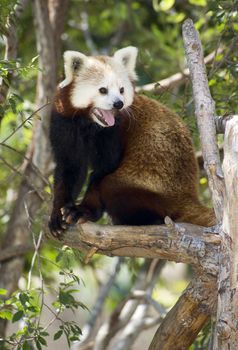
(127, 57)
(73, 60)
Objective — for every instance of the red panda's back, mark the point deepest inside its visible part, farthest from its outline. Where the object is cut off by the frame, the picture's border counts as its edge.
(159, 153)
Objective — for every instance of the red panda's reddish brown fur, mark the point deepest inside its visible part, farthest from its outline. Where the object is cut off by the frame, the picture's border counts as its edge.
(158, 170)
(142, 158)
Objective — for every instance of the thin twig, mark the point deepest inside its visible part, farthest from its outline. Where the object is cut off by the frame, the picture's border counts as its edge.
(25, 121)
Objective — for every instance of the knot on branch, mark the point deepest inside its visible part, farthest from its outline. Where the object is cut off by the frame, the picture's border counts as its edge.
(172, 225)
(223, 328)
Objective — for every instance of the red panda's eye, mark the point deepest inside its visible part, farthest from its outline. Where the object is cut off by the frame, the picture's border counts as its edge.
(121, 90)
(103, 90)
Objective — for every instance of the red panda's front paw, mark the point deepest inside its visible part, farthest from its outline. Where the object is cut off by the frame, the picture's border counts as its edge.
(73, 214)
(57, 225)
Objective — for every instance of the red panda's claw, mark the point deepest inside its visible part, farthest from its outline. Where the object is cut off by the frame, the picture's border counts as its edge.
(73, 214)
(56, 225)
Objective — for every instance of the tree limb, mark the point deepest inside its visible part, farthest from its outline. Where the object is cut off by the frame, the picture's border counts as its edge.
(137, 322)
(174, 80)
(17, 250)
(130, 313)
(88, 329)
(205, 113)
(185, 243)
(188, 316)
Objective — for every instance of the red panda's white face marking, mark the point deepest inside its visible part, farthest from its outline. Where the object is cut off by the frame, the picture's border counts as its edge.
(105, 83)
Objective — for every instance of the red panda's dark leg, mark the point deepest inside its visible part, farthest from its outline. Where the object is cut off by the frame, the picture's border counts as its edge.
(90, 209)
(68, 182)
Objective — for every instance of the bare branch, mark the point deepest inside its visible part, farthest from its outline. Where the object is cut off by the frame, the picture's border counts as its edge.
(130, 313)
(96, 310)
(205, 113)
(17, 250)
(181, 243)
(137, 322)
(83, 26)
(174, 80)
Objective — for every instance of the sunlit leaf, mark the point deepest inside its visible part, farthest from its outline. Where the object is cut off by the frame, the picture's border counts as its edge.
(198, 2)
(3, 291)
(6, 314)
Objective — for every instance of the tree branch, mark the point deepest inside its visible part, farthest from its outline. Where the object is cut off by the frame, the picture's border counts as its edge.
(130, 313)
(205, 113)
(181, 242)
(17, 250)
(188, 316)
(88, 329)
(174, 80)
(137, 322)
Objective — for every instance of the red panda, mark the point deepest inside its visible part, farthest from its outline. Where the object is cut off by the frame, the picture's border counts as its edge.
(140, 152)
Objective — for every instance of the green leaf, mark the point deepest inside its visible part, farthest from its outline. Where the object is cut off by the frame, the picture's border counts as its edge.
(59, 257)
(13, 105)
(17, 316)
(58, 335)
(26, 346)
(163, 5)
(18, 97)
(198, 2)
(24, 298)
(42, 341)
(38, 345)
(65, 298)
(44, 334)
(3, 291)
(6, 315)
(74, 338)
(83, 306)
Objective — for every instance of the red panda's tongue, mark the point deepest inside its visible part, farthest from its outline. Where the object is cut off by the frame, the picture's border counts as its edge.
(108, 117)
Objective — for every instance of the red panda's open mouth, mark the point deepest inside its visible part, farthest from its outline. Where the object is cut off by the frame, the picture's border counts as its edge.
(103, 117)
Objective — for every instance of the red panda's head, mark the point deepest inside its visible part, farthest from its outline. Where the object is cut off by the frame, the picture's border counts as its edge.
(101, 82)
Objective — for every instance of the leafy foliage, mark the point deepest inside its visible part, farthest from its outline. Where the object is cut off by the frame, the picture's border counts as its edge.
(6, 6)
(27, 307)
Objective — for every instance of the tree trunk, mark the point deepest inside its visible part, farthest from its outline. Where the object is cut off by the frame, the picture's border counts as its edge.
(28, 199)
(226, 333)
(181, 325)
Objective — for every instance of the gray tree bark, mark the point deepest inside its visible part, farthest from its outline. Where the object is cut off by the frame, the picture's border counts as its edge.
(226, 331)
(205, 114)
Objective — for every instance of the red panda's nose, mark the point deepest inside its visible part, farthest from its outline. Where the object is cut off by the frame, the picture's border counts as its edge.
(118, 104)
